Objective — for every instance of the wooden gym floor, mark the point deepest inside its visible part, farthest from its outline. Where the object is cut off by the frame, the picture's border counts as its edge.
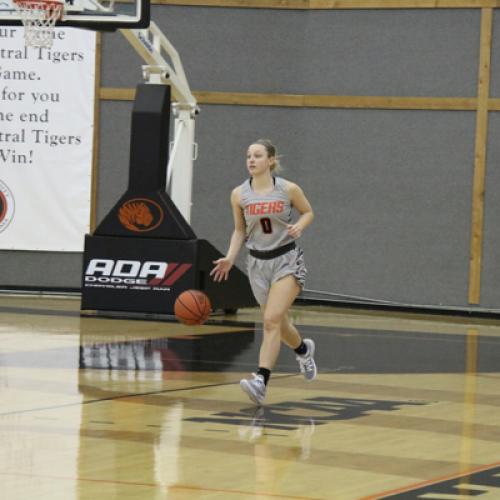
(404, 407)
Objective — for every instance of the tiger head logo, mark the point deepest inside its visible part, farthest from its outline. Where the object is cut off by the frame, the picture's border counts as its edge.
(140, 215)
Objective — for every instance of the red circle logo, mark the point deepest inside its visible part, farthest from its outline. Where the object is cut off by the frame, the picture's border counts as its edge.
(6, 206)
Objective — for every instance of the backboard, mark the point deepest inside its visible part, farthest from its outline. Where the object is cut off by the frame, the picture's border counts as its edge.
(102, 15)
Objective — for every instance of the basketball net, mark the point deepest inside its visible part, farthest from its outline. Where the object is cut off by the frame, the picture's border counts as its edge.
(39, 19)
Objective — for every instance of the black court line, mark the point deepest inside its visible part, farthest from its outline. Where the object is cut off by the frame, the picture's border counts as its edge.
(133, 395)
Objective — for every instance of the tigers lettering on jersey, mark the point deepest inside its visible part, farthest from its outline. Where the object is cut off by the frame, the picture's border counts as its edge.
(265, 207)
(266, 215)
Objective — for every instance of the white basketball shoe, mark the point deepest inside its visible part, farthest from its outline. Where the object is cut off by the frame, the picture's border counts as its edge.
(306, 361)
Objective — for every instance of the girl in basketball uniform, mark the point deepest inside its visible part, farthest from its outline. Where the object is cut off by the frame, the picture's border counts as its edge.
(262, 208)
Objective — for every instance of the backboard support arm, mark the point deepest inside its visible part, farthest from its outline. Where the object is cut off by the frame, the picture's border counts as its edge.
(151, 44)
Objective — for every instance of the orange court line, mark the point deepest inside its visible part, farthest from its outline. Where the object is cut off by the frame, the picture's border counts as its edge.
(412, 487)
(153, 485)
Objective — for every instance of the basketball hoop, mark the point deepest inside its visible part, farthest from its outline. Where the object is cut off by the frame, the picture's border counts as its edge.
(39, 19)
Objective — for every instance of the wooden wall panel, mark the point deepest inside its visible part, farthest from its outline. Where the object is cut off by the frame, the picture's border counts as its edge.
(480, 158)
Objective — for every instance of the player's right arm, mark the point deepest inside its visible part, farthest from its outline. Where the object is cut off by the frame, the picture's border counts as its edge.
(224, 264)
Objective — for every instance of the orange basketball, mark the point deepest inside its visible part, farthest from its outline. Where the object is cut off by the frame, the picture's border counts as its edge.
(192, 307)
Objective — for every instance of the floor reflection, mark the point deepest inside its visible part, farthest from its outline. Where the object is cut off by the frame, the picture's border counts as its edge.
(272, 462)
(216, 352)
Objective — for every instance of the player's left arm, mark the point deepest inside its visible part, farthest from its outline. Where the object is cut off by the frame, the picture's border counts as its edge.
(301, 204)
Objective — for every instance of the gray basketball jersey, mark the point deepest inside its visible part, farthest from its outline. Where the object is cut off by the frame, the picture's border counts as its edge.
(266, 216)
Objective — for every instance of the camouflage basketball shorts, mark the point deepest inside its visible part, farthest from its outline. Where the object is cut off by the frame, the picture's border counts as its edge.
(263, 273)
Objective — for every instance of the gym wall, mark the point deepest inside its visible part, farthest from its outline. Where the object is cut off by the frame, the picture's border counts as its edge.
(384, 116)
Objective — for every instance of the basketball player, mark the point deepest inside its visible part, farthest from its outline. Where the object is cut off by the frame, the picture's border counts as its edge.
(262, 208)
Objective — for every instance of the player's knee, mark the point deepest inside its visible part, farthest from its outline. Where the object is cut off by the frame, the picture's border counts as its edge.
(272, 322)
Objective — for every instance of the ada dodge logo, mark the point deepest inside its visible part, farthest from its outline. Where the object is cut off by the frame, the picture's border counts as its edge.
(133, 274)
(6, 206)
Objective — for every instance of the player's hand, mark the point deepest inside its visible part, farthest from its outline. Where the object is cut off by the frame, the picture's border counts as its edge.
(294, 230)
(221, 270)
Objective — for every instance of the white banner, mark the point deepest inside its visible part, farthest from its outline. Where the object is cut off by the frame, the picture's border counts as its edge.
(46, 140)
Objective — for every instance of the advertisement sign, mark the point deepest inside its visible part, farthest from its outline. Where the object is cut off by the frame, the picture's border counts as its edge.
(136, 274)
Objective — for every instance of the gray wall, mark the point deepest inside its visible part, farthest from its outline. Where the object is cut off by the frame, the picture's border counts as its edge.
(392, 189)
